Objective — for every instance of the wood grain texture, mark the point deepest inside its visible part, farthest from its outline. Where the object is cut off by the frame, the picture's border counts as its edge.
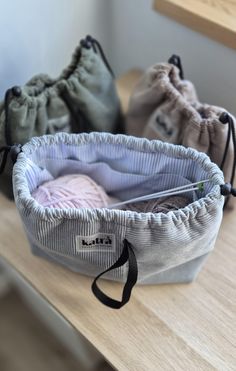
(166, 327)
(213, 18)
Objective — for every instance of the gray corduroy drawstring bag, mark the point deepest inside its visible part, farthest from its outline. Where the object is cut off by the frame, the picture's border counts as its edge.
(145, 247)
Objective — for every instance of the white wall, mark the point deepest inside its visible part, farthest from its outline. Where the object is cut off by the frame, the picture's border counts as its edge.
(141, 37)
(40, 35)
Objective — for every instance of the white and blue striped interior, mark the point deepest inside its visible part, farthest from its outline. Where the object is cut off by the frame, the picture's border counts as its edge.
(126, 167)
(123, 172)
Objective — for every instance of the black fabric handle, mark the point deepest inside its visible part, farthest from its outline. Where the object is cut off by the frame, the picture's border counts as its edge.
(127, 255)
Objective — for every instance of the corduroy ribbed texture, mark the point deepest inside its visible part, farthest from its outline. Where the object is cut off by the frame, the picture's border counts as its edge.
(169, 247)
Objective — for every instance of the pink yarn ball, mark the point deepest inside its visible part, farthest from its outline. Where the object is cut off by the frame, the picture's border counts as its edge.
(72, 191)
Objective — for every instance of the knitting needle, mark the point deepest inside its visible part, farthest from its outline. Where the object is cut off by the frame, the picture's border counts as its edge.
(150, 197)
(185, 188)
(169, 192)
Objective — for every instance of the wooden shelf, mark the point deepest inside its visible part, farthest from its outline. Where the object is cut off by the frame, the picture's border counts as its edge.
(213, 18)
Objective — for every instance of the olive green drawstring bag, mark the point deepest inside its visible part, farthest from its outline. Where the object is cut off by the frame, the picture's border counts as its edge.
(82, 99)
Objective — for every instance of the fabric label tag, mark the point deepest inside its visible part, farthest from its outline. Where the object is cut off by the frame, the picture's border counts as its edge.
(164, 126)
(96, 243)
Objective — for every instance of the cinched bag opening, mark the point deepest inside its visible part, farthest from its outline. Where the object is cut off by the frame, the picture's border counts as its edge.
(83, 98)
(121, 171)
(166, 107)
(123, 245)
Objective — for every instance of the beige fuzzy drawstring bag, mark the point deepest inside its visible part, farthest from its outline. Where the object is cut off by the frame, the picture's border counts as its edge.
(165, 106)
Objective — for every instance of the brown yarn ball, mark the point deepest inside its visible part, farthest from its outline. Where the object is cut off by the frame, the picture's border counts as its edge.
(159, 205)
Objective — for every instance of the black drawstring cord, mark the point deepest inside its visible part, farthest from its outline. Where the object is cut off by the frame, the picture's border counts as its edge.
(176, 61)
(5, 150)
(226, 145)
(16, 92)
(225, 118)
(234, 144)
(13, 150)
(7, 99)
(89, 42)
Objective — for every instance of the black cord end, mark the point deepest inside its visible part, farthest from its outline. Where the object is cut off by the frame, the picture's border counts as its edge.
(16, 91)
(14, 152)
(224, 118)
(89, 38)
(227, 190)
(176, 61)
(85, 44)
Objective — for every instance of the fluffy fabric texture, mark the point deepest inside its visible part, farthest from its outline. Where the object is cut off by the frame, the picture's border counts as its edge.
(164, 107)
(159, 87)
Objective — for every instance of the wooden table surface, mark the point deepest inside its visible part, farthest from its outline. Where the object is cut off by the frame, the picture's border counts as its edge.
(167, 327)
